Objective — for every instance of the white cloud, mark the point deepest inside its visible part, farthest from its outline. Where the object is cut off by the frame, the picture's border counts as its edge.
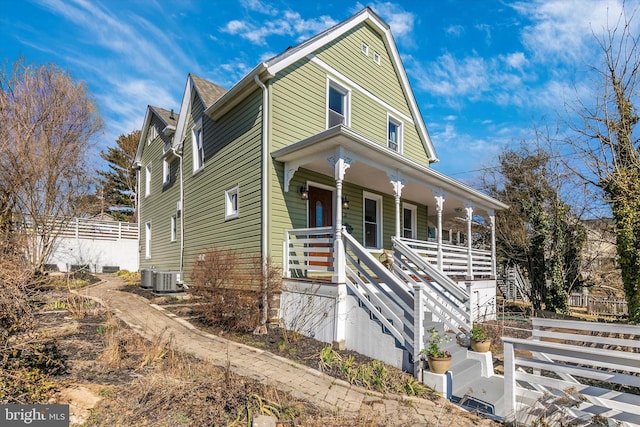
(259, 6)
(455, 30)
(400, 21)
(516, 60)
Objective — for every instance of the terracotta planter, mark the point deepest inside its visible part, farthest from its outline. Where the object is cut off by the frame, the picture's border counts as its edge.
(439, 365)
(481, 346)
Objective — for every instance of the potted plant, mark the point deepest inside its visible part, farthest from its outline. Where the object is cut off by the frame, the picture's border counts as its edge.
(480, 341)
(439, 360)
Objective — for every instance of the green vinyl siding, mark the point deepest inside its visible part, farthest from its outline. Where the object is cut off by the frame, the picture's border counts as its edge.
(298, 95)
(159, 206)
(232, 146)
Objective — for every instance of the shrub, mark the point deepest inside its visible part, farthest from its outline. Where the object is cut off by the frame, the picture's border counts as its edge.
(233, 296)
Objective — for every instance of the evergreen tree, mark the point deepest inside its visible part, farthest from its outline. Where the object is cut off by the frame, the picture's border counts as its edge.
(118, 183)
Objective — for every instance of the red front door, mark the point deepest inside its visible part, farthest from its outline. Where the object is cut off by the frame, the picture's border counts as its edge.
(320, 214)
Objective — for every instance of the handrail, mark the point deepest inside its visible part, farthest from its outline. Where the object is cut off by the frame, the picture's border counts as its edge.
(450, 302)
(397, 292)
(556, 365)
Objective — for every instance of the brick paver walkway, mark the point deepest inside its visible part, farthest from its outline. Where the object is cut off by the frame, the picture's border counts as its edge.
(150, 320)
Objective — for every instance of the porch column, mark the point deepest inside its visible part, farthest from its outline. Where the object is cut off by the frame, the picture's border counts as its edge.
(492, 224)
(469, 210)
(340, 164)
(439, 208)
(398, 184)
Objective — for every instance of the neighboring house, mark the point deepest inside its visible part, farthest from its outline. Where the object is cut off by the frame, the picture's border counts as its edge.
(319, 159)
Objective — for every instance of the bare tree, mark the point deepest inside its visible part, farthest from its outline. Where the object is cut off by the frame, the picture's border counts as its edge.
(606, 140)
(48, 122)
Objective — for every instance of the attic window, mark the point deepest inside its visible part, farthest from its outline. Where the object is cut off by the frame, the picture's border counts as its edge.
(376, 58)
(364, 48)
(152, 134)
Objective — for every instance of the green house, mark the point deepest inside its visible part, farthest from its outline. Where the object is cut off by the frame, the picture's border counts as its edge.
(319, 160)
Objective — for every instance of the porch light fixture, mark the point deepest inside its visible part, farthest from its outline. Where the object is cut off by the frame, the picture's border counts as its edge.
(304, 193)
(345, 203)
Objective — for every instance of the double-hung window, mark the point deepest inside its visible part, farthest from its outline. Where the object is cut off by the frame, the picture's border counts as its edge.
(147, 180)
(394, 134)
(147, 240)
(372, 221)
(231, 203)
(337, 105)
(409, 221)
(198, 146)
(166, 172)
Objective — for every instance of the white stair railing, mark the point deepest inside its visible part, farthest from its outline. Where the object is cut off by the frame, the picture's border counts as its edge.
(445, 299)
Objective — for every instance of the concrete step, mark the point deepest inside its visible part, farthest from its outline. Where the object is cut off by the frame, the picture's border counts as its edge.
(487, 391)
(464, 372)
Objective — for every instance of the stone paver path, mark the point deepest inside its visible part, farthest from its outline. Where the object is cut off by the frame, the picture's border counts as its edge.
(150, 320)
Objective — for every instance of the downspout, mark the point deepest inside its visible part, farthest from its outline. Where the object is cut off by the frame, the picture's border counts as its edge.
(265, 199)
(179, 156)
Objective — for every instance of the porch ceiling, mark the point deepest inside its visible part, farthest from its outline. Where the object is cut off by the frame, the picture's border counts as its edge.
(373, 165)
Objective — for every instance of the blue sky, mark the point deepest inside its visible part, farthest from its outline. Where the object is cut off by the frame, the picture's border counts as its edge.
(483, 72)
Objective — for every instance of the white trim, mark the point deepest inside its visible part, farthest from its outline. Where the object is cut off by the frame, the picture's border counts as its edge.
(197, 127)
(379, 209)
(376, 57)
(414, 219)
(231, 198)
(400, 137)
(346, 93)
(347, 82)
(147, 179)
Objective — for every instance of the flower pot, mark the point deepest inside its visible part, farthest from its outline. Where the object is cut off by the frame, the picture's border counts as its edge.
(439, 365)
(481, 346)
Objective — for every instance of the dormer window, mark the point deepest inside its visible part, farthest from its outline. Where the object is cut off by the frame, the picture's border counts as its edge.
(337, 106)
(394, 134)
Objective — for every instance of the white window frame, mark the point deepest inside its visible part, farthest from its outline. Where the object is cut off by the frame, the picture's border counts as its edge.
(376, 57)
(197, 146)
(174, 227)
(166, 172)
(378, 199)
(364, 48)
(152, 134)
(346, 103)
(400, 126)
(231, 202)
(147, 240)
(147, 180)
(414, 220)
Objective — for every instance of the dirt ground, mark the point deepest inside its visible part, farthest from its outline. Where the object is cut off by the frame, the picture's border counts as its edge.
(109, 375)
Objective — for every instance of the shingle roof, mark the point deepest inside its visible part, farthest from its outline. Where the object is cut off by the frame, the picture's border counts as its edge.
(169, 117)
(209, 92)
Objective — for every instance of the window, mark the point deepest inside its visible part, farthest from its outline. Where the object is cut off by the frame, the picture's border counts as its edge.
(231, 203)
(394, 134)
(174, 224)
(372, 221)
(166, 172)
(364, 48)
(376, 58)
(147, 240)
(409, 227)
(197, 146)
(338, 106)
(147, 180)
(152, 134)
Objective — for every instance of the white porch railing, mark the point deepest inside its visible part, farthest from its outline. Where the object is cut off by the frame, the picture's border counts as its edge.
(455, 259)
(308, 250)
(604, 357)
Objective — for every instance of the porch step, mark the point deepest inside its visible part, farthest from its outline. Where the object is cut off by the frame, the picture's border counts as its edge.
(465, 372)
(482, 394)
